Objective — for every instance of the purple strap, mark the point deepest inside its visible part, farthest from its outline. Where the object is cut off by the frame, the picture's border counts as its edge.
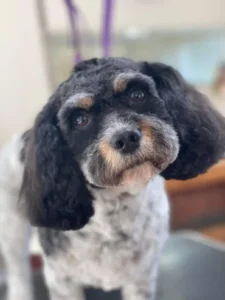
(107, 22)
(106, 30)
(73, 13)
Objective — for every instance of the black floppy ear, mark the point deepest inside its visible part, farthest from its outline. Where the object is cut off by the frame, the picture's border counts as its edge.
(54, 188)
(200, 128)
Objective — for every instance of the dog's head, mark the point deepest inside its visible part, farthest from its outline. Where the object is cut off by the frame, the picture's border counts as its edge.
(115, 122)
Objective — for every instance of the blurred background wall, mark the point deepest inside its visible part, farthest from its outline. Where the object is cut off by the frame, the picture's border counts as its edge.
(37, 53)
(153, 14)
(23, 78)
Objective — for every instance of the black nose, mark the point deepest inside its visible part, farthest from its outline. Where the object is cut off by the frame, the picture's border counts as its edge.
(127, 141)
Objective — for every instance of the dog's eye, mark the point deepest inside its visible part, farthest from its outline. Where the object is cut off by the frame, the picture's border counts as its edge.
(82, 119)
(138, 95)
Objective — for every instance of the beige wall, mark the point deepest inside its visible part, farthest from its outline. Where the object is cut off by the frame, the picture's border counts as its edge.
(156, 14)
(23, 82)
(23, 79)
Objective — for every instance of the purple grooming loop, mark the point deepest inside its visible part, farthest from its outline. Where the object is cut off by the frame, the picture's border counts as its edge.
(107, 27)
(106, 30)
(73, 16)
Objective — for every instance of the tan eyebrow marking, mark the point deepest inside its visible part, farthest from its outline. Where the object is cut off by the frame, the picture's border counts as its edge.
(85, 103)
(120, 85)
(121, 81)
(80, 100)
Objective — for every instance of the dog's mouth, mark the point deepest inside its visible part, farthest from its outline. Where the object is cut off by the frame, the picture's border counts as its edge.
(136, 175)
(139, 174)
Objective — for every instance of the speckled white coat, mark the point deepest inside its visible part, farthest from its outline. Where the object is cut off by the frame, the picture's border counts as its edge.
(119, 248)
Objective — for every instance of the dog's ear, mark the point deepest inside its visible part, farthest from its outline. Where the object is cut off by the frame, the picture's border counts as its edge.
(200, 128)
(54, 188)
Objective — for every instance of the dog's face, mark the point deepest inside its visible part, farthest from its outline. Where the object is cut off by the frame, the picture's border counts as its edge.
(115, 122)
(117, 126)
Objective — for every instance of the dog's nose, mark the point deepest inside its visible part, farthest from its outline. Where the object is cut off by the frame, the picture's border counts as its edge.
(127, 141)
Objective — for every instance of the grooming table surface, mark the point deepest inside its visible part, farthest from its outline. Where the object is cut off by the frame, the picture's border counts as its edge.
(192, 268)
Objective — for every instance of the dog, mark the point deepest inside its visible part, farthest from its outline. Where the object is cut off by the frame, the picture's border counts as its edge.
(89, 175)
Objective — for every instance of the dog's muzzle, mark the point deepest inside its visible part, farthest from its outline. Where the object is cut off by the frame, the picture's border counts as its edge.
(130, 150)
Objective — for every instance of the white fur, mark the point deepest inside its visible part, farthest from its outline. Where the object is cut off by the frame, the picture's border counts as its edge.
(119, 248)
(14, 230)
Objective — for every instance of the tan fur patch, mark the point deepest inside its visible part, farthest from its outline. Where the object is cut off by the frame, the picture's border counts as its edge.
(120, 85)
(145, 130)
(111, 156)
(85, 103)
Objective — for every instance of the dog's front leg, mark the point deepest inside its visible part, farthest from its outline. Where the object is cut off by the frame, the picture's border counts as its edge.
(137, 291)
(61, 286)
(143, 287)
(75, 293)
(65, 292)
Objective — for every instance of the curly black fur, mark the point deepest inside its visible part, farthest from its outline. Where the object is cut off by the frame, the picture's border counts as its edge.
(54, 187)
(200, 128)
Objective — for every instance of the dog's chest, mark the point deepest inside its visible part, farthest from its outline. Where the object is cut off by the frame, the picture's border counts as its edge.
(109, 250)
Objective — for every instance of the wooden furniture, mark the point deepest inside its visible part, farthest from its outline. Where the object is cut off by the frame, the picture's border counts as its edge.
(198, 202)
